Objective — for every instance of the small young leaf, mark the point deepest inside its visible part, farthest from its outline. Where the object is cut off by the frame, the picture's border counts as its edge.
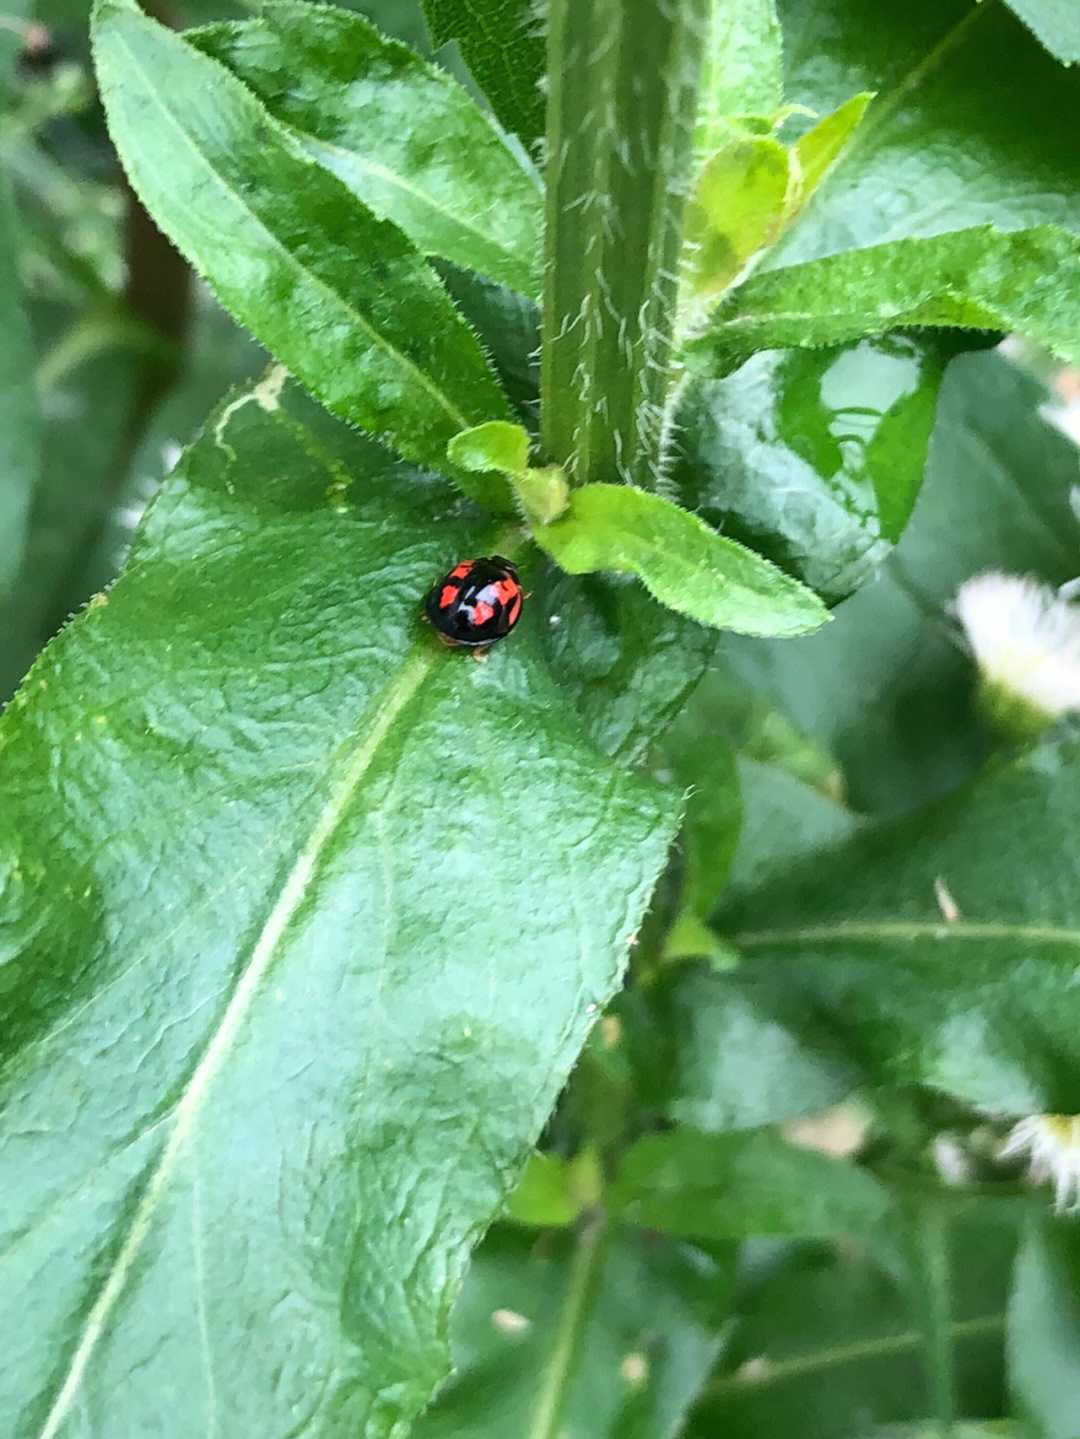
(751, 190)
(680, 560)
(1028, 280)
(496, 445)
(343, 299)
(400, 133)
(820, 147)
(737, 208)
(544, 1196)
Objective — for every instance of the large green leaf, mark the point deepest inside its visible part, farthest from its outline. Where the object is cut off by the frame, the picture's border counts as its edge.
(681, 561)
(730, 1051)
(1043, 1336)
(1055, 22)
(85, 415)
(503, 45)
(338, 295)
(887, 686)
(626, 662)
(728, 1186)
(305, 919)
(974, 996)
(400, 133)
(823, 1346)
(20, 424)
(813, 457)
(962, 132)
(976, 279)
(627, 1369)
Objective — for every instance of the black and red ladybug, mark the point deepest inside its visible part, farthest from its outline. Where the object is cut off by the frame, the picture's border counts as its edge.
(476, 604)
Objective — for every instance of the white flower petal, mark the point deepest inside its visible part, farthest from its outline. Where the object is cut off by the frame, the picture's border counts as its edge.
(1025, 638)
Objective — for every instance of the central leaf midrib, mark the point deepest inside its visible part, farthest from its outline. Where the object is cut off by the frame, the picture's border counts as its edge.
(392, 177)
(459, 419)
(377, 721)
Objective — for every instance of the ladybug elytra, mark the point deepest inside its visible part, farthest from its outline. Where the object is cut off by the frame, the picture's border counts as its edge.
(477, 603)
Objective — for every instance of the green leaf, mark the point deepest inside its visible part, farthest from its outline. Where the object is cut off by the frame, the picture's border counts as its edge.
(737, 208)
(549, 1193)
(752, 189)
(819, 149)
(497, 446)
(645, 1346)
(625, 662)
(494, 446)
(682, 562)
(730, 1051)
(403, 136)
(710, 829)
(783, 819)
(957, 137)
(743, 68)
(887, 686)
(20, 420)
(502, 44)
(1055, 22)
(273, 1043)
(340, 297)
(1026, 280)
(1043, 1335)
(815, 458)
(728, 1186)
(823, 1345)
(972, 995)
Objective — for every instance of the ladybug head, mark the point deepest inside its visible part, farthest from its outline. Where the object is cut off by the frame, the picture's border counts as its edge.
(504, 564)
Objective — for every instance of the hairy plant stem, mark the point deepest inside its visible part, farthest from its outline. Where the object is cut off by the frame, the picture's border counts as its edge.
(623, 79)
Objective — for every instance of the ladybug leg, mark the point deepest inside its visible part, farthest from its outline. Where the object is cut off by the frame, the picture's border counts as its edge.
(481, 653)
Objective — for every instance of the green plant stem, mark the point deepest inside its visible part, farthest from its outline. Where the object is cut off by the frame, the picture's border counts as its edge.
(559, 1371)
(931, 1239)
(780, 1371)
(623, 79)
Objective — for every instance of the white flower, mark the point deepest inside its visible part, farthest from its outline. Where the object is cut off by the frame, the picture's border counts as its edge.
(1025, 637)
(1052, 1142)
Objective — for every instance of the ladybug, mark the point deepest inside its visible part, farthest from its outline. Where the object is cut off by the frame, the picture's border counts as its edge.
(477, 603)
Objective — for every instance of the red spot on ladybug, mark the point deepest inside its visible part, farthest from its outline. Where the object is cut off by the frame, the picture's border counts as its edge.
(477, 603)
